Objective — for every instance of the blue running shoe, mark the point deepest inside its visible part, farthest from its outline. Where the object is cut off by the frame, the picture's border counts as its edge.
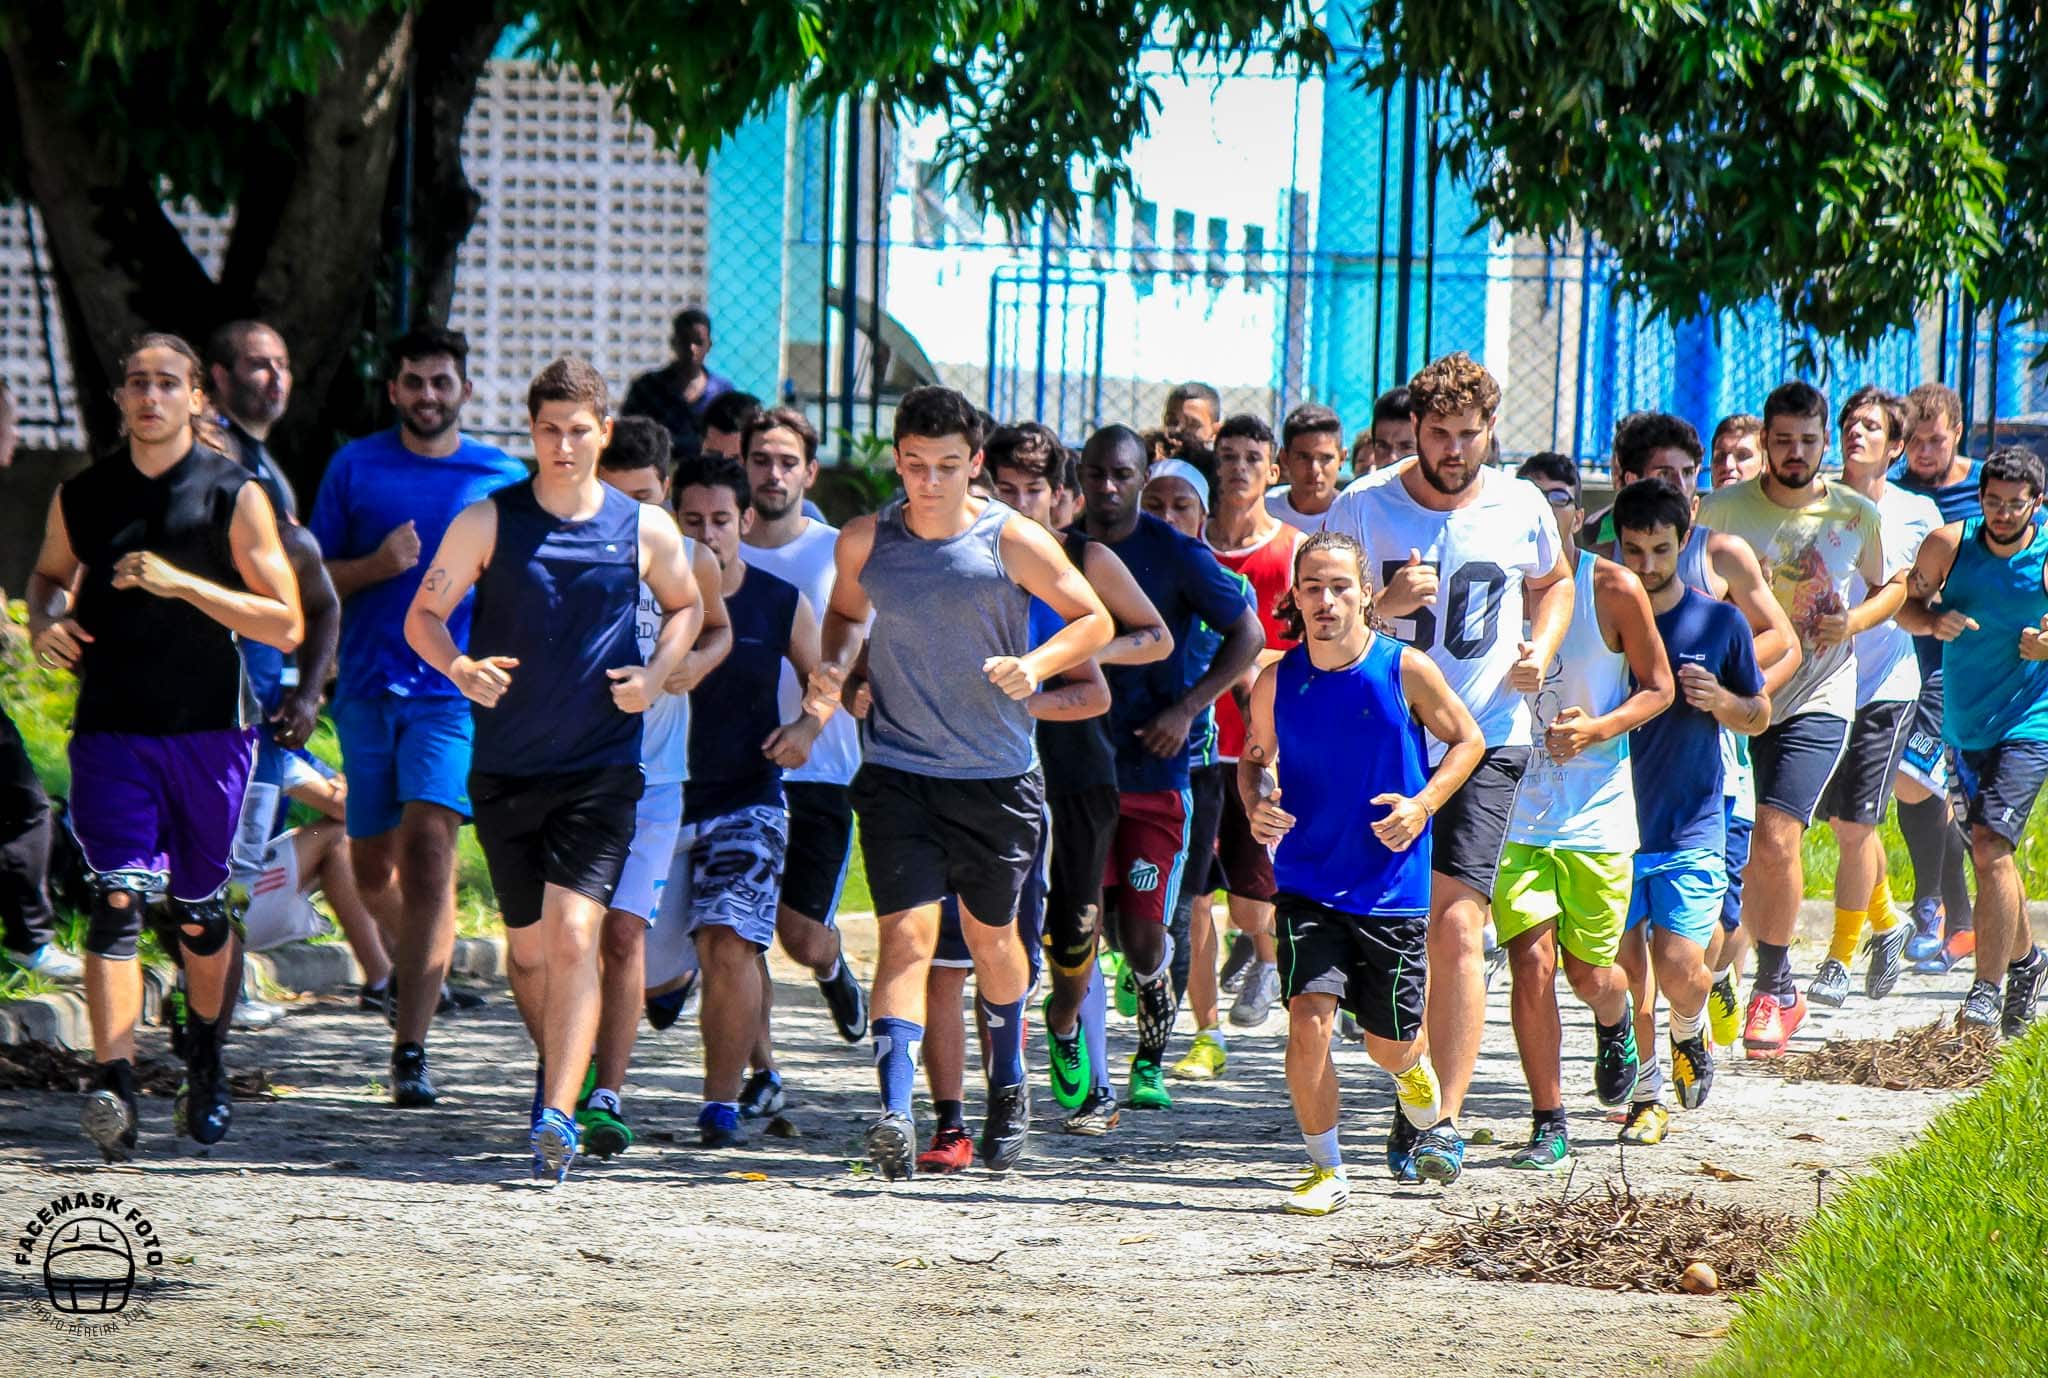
(718, 1126)
(1926, 939)
(1440, 1155)
(554, 1141)
(1401, 1148)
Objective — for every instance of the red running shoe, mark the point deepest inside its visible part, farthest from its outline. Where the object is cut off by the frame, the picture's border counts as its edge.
(951, 1151)
(1771, 1024)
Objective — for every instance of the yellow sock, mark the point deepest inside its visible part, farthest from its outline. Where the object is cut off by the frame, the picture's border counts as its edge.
(1848, 933)
(1882, 916)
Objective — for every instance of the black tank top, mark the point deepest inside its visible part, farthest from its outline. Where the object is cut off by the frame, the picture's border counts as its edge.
(156, 666)
(1076, 755)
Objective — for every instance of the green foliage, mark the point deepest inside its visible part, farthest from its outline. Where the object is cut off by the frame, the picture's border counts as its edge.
(1829, 153)
(1935, 1263)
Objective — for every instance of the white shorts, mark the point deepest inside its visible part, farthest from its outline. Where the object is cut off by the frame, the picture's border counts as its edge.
(655, 824)
(278, 911)
(726, 874)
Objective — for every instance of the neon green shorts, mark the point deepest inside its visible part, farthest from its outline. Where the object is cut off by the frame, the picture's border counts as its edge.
(1584, 893)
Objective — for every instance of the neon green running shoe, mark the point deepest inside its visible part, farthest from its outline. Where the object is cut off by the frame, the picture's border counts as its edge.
(1067, 1062)
(603, 1127)
(1123, 983)
(1148, 1087)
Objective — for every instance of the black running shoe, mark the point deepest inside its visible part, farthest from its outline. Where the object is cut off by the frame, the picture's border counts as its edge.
(1887, 951)
(206, 1106)
(848, 1003)
(370, 999)
(762, 1096)
(1008, 1126)
(2022, 989)
(1239, 961)
(1980, 1007)
(111, 1112)
(455, 1000)
(892, 1147)
(666, 1008)
(1617, 1062)
(411, 1087)
(1401, 1148)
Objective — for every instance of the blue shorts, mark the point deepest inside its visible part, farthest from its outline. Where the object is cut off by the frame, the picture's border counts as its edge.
(1679, 892)
(399, 751)
(1737, 855)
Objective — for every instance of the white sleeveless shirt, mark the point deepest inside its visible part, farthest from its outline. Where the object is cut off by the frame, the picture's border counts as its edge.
(665, 726)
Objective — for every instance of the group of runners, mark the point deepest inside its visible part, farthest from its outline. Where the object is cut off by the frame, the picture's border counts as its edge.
(1439, 721)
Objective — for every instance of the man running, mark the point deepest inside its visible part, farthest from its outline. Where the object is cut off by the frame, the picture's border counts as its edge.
(1738, 450)
(1814, 536)
(1565, 872)
(1680, 868)
(781, 455)
(1873, 424)
(1152, 717)
(405, 730)
(1456, 549)
(1336, 736)
(558, 687)
(1981, 588)
(251, 371)
(949, 793)
(173, 551)
(1311, 455)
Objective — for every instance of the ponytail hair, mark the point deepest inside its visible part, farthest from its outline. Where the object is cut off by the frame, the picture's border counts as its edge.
(206, 428)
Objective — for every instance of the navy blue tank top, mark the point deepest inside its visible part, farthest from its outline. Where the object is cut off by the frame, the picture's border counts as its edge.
(560, 596)
(735, 709)
(1345, 736)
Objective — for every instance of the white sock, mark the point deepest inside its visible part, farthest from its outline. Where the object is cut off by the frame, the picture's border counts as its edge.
(1165, 963)
(1686, 1026)
(1215, 1035)
(1323, 1150)
(602, 1099)
(833, 975)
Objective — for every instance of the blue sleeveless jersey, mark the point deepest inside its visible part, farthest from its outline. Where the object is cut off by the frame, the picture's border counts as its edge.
(1994, 696)
(561, 596)
(1345, 736)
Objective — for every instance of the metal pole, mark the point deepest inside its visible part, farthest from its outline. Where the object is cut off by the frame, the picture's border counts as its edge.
(875, 358)
(1429, 236)
(826, 183)
(849, 270)
(1379, 258)
(1404, 286)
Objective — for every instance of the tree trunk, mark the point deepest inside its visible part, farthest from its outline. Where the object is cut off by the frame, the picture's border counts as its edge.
(456, 39)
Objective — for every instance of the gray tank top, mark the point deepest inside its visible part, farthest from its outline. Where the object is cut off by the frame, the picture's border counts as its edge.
(941, 609)
(1694, 568)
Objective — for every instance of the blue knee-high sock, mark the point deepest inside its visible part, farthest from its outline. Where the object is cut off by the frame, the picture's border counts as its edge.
(896, 1043)
(1095, 1027)
(1005, 1040)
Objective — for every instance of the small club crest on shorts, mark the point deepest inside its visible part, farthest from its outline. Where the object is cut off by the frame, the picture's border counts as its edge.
(1144, 876)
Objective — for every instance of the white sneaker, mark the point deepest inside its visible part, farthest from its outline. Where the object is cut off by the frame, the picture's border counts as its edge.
(1255, 1001)
(50, 962)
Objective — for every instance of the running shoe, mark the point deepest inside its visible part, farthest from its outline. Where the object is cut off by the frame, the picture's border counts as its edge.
(370, 999)
(1401, 1149)
(1981, 1007)
(1616, 1062)
(1950, 955)
(1724, 1011)
(604, 1128)
(1322, 1192)
(1549, 1145)
(762, 1097)
(1885, 951)
(1692, 1071)
(1495, 956)
(411, 1086)
(554, 1143)
(1007, 1127)
(718, 1126)
(1148, 1087)
(1255, 1001)
(1770, 1025)
(50, 962)
(112, 1113)
(455, 1000)
(952, 1150)
(1236, 963)
(666, 1008)
(1123, 983)
(540, 1091)
(848, 1003)
(1647, 1120)
(1204, 1060)
(1440, 1155)
(891, 1145)
(206, 1107)
(1830, 985)
(1095, 1116)
(1926, 937)
(1156, 1009)
(2022, 989)
(1067, 1062)
(1419, 1094)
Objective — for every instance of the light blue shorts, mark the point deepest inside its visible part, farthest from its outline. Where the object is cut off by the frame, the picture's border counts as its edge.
(398, 751)
(1679, 892)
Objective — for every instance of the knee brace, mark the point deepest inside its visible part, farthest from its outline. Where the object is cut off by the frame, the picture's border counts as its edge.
(204, 926)
(119, 899)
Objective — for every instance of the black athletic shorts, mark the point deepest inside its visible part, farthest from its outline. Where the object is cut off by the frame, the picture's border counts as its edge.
(573, 830)
(1083, 825)
(1926, 760)
(1378, 968)
(924, 837)
(2009, 777)
(820, 842)
(1206, 786)
(1862, 787)
(1795, 759)
(1472, 826)
(1247, 865)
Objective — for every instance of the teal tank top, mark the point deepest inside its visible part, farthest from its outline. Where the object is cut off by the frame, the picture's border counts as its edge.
(1993, 695)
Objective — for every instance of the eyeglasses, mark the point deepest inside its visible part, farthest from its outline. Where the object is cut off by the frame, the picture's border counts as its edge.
(1999, 507)
(1559, 497)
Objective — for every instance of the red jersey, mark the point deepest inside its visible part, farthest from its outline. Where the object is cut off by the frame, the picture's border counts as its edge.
(1269, 568)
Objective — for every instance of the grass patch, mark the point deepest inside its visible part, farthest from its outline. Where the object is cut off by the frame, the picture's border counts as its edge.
(1935, 1263)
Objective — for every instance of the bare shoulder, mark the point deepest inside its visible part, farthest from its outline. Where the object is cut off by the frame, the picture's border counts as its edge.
(1612, 577)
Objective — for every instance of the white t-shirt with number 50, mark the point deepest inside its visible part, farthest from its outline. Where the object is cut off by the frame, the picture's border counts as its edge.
(1482, 552)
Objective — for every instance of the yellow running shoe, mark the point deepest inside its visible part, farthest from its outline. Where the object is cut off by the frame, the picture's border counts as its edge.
(1421, 1098)
(1323, 1191)
(1647, 1121)
(1204, 1060)
(1724, 1011)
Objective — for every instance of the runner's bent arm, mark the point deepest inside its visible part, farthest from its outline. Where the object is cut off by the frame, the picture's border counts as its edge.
(1549, 601)
(1778, 653)
(1081, 693)
(1258, 786)
(1243, 639)
(57, 638)
(789, 745)
(1623, 606)
(713, 641)
(1144, 637)
(1039, 567)
(1924, 582)
(464, 552)
(666, 572)
(846, 617)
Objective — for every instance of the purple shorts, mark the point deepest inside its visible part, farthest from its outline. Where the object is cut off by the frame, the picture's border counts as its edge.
(165, 807)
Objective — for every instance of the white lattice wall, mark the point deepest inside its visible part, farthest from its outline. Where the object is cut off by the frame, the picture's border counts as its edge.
(589, 240)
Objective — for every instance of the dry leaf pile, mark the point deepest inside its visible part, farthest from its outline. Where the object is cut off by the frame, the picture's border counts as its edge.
(42, 1067)
(1938, 1057)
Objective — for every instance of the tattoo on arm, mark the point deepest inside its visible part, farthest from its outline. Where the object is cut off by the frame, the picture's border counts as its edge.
(1256, 752)
(436, 580)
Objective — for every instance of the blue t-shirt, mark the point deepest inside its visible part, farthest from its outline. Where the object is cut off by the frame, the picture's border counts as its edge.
(1182, 578)
(1676, 755)
(371, 486)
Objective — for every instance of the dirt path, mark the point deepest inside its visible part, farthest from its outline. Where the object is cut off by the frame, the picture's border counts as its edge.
(333, 1234)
